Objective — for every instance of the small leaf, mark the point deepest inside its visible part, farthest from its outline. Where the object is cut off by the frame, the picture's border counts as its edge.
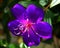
(22, 45)
(54, 3)
(43, 2)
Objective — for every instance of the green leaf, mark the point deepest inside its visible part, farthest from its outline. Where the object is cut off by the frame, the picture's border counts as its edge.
(48, 16)
(22, 45)
(4, 4)
(58, 20)
(54, 3)
(11, 46)
(43, 2)
(26, 3)
(48, 41)
(5, 20)
(12, 3)
(3, 43)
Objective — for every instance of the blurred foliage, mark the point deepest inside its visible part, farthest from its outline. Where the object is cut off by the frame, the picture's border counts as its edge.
(13, 45)
(52, 16)
(26, 3)
(22, 45)
(3, 4)
(48, 16)
(44, 2)
(5, 22)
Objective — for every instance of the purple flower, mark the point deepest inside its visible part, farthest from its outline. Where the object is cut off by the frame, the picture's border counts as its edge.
(29, 24)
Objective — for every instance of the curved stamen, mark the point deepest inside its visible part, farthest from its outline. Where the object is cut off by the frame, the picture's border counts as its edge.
(35, 31)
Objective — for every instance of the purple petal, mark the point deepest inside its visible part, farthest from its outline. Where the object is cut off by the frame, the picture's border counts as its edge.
(34, 13)
(14, 27)
(17, 10)
(30, 38)
(43, 30)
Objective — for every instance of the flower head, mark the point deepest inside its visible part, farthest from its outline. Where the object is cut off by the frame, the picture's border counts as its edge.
(28, 24)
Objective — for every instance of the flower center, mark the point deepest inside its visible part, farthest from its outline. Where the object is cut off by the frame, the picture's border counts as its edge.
(25, 26)
(28, 25)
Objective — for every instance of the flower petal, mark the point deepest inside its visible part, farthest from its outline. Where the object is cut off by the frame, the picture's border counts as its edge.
(17, 10)
(43, 29)
(30, 38)
(14, 27)
(34, 13)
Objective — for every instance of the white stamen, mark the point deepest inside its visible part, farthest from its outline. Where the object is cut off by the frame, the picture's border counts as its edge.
(18, 33)
(19, 25)
(25, 30)
(28, 35)
(37, 33)
(27, 19)
(20, 28)
(16, 29)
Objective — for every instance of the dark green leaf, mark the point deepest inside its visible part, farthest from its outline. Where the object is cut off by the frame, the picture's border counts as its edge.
(58, 20)
(26, 3)
(48, 16)
(5, 26)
